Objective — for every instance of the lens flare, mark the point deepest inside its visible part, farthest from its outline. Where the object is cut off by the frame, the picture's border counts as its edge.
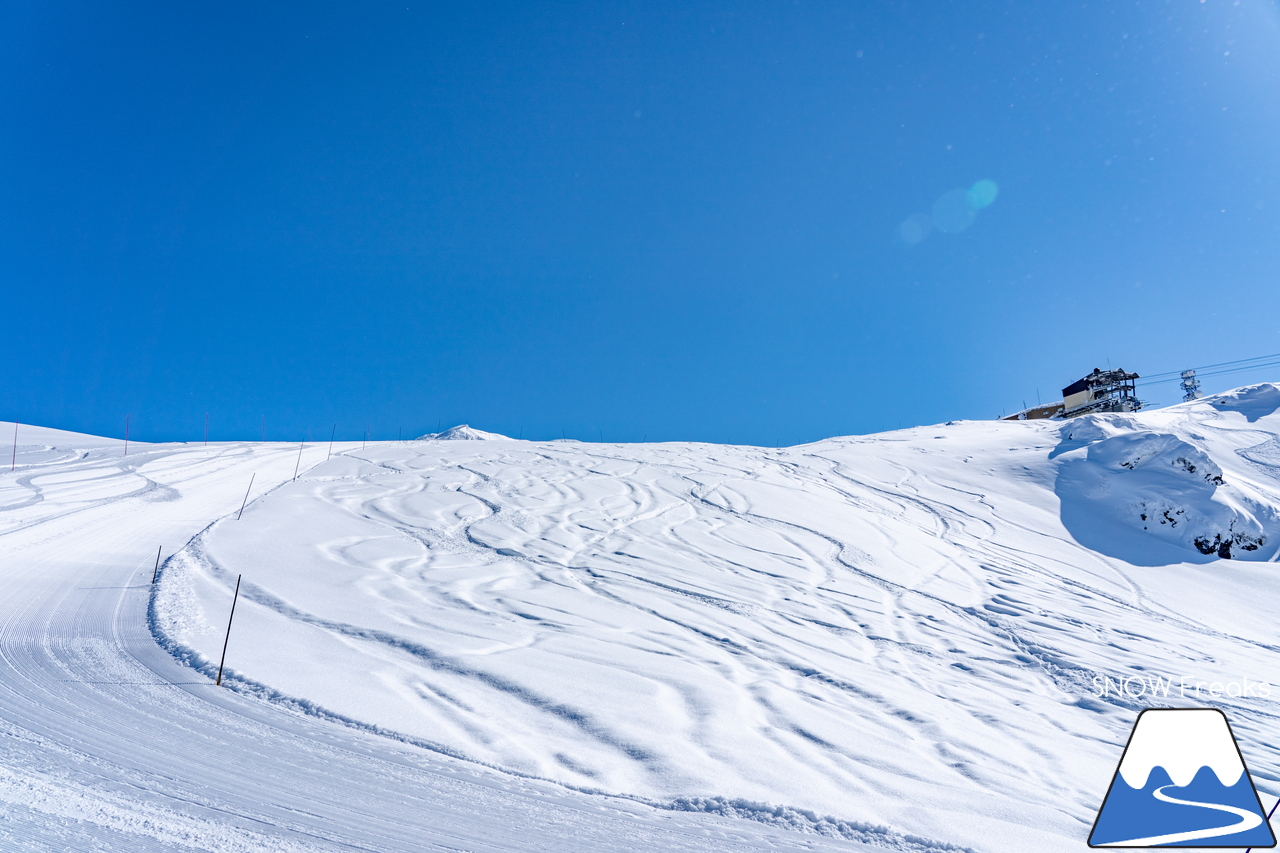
(914, 229)
(952, 212)
(982, 194)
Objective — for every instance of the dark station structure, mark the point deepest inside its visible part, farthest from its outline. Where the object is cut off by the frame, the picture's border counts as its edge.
(1100, 391)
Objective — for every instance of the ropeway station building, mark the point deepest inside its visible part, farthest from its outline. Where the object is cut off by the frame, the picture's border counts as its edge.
(1100, 391)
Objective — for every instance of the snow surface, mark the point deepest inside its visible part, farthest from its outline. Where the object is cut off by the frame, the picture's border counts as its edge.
(899, 635)
(108, 743)
(891, 640)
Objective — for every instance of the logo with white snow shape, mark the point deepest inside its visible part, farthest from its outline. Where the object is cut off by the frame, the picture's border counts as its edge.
(1181, 782)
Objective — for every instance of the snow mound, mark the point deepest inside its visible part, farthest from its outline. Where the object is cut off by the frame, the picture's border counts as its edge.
(1167, 487)
(462, 432)
(1155, 452)
(1252, 401)
(1096, 427)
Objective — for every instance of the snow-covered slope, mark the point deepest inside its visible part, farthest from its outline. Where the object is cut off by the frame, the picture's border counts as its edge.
(904, 632)
(107, 743)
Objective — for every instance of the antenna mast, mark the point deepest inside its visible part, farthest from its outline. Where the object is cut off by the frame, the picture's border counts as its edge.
(1191, 386)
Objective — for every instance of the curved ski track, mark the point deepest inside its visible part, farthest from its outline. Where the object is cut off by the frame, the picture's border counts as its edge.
(108, 743)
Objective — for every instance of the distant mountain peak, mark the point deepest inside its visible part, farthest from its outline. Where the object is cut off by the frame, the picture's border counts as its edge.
(462, 432)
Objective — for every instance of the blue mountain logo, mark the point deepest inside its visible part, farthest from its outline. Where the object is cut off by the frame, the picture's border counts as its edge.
(1181, 782)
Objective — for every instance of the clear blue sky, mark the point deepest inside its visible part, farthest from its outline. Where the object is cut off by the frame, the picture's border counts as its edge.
(655, 220)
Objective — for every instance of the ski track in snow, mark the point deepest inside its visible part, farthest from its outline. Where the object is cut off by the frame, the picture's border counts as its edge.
(886, 639)
(851, 628)
(110, 743)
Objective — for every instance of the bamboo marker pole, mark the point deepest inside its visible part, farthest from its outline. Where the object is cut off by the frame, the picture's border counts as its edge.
(331, 435)
(246, 496)
(299, 462)
(14, 461)
(223, 662)
(156, 572)
(126, 435)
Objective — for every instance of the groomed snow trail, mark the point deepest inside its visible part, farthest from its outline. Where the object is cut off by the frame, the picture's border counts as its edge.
(108, 743)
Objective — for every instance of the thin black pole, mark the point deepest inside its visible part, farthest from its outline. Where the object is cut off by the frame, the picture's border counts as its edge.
(299, 462)
(246, 496)
(126, 435)
(331, 435)
(14, 460)
(156, 573)
(221, 663)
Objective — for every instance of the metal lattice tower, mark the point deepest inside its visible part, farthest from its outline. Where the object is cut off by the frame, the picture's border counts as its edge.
(1190, 385)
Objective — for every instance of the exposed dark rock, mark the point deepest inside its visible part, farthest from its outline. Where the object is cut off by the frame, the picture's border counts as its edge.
(1222, 546)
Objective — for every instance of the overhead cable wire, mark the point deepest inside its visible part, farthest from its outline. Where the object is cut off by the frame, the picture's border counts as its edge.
(1219, 364)
(1240, 369)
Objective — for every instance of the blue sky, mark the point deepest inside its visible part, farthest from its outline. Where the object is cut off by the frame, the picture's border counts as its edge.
(624, 220)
